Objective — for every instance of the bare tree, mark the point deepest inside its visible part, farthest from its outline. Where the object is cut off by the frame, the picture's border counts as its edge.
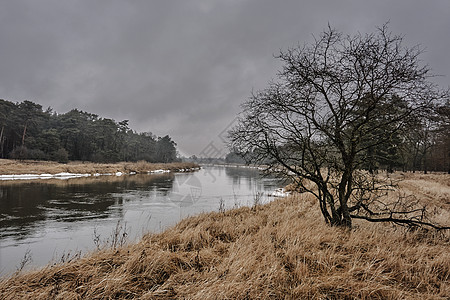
(333, 101)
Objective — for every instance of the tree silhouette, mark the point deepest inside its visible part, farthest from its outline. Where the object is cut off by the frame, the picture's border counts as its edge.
(334, 102)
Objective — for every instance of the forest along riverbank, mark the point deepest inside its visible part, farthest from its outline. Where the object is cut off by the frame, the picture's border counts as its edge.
(30, 169)
(279, 250)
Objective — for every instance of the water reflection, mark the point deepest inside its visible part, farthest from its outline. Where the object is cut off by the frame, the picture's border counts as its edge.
(24, 206)
(52, 217)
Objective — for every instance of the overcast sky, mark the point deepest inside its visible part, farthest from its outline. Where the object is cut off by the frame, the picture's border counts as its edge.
(182, 67)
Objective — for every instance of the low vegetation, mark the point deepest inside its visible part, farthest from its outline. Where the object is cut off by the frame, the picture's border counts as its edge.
(281, 250)
(9, 167)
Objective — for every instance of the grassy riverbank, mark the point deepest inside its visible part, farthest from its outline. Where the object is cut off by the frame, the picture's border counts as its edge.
(16, 167)
(278, 250)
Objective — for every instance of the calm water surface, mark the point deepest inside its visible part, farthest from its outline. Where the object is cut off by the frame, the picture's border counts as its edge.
(52, 218)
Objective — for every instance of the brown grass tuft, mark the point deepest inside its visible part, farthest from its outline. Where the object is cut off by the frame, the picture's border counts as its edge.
(282, 250)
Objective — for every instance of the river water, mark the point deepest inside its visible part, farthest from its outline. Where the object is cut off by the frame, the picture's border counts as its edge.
(47, 221)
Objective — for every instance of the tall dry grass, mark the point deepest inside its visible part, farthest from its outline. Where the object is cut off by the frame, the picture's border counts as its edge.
(9, 167)
(281, 250)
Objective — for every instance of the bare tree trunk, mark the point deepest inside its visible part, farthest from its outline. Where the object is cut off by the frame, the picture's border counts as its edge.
(425, 165)
(24, 133)
(23, 141)
(1, 141)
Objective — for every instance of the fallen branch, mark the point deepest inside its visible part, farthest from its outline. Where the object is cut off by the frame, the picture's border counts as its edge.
(407, 222)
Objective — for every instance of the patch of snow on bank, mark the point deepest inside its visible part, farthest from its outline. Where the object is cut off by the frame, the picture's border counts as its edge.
(42, 176)
(65, 175)
(279, 193)
(159, 171)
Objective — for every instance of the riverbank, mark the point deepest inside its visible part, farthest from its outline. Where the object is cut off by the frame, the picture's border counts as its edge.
(29, 169)
(279, 250)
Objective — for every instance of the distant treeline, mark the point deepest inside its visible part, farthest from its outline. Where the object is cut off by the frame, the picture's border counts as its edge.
(29, 132)
(424, 145)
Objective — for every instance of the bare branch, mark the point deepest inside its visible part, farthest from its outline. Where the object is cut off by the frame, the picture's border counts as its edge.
(340, 106)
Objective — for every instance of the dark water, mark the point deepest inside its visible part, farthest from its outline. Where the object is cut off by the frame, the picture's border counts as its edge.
(49, 219)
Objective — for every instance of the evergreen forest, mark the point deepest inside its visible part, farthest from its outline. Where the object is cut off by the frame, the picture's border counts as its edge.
(27, 131)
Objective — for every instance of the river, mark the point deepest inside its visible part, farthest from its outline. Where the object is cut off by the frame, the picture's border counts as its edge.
(47, 221)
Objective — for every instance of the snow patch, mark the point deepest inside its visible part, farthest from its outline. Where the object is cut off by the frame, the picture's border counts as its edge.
(159, 171)
(65, 175)
(279, 193)
(42, 176)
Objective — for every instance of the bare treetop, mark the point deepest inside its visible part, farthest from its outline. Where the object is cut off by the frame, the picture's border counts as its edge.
(334, 103)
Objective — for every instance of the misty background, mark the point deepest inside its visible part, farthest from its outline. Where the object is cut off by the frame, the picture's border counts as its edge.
(182, 67)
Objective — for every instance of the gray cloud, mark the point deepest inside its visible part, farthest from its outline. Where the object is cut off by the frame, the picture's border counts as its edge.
(181, 67)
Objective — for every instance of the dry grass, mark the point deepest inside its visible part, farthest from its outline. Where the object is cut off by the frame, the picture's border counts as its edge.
(281, 250)
(9, 167)
(434, 187)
